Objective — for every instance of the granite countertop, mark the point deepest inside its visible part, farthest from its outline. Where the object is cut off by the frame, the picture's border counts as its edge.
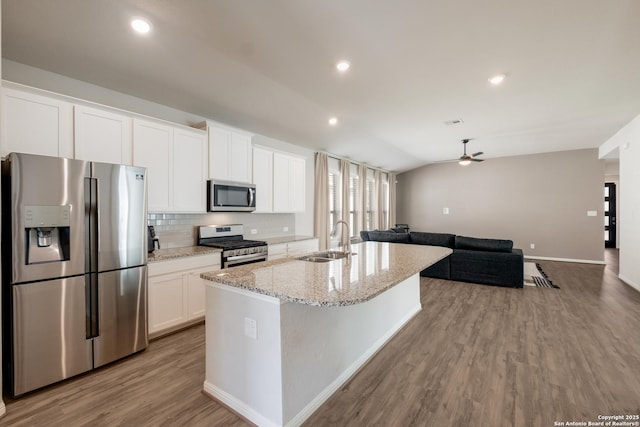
(376, 267)
(173, 253)
(286, 239)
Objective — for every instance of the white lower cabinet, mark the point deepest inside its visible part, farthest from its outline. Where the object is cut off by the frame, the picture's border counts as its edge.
(177, 293)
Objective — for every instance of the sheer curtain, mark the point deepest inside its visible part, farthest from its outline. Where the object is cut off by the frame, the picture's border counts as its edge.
(344, 204)
(392, 199)
(321, 205)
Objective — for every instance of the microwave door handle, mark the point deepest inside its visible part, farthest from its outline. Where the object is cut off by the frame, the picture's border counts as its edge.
(251, 197)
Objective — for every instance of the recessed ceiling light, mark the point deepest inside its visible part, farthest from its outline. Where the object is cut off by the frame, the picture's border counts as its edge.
(497, 79)
(343, 66)
(140, 25)
(333, 121)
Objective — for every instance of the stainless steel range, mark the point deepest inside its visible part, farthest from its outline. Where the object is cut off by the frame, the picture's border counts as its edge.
(235, 249)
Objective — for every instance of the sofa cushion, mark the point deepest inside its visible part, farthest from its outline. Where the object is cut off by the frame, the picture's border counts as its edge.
(398, 230)
(488, 245)
(364, 235)
(433, 239)
(388, 236)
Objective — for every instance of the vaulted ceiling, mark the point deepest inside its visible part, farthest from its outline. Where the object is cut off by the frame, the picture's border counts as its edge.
(573, 68)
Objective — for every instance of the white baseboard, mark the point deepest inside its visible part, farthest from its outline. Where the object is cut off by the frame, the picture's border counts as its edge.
(629, 282)
(346, 375)
(3, 409)
(249, 413)
(238, 406)
(582, 261)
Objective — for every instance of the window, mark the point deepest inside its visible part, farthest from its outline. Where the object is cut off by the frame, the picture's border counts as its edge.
(354, 197)
(384, 195)
(368, 211)
(334, 191)
(371, 201)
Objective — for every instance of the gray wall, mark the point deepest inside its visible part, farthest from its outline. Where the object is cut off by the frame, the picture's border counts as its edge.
(539, 199)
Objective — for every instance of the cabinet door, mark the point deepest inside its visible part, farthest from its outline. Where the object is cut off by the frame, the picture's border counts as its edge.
(219, 153)
(102, 136)
(240, 159)
(263, 179)
(36, 125)
(167, 302)
(280, 183)
(302, 247)
(189, 170)
(196, 291)
(297, 184)
(151, 148)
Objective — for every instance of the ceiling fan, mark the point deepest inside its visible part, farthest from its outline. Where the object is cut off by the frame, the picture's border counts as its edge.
(466, 159)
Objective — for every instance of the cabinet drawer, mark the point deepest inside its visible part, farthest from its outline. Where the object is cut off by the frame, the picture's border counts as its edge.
(186, 263)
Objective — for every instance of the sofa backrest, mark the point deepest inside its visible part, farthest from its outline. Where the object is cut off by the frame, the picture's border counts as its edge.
(388, 236)
(433, 239)
(488, 245)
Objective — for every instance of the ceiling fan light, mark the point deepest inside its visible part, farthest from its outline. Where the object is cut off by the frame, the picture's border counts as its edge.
(465, 162)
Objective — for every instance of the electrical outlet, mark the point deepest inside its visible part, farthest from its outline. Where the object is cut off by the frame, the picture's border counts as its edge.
(533, 246)
(250, 328)
(445, 211)
(254, 231)
(286, 229)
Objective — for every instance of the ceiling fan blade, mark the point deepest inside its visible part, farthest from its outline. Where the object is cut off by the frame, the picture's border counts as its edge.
(479, 153)
(476, 160)
(446, 161)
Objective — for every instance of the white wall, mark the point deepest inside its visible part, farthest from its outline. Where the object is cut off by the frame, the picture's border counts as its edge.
(627, 141)
(42, 79)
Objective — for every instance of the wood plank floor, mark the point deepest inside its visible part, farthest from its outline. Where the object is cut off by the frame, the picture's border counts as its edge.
(475, 355)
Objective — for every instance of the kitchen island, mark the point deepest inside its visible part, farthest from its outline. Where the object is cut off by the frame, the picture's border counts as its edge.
(282, 336)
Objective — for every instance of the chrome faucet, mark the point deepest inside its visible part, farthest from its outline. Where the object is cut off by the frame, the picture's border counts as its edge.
(334, 233)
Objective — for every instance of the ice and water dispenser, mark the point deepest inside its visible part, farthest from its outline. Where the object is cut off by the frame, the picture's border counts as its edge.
(48, 230)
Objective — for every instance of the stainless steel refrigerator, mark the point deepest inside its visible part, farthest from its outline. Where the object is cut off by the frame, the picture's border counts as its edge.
(74, 253)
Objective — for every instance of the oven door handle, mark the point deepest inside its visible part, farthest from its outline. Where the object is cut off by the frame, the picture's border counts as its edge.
(250, 256)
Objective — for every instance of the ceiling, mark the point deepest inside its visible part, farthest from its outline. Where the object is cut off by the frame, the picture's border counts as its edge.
(573, 68)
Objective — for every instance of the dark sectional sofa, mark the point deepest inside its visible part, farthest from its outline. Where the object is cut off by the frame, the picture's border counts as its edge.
(485, 261)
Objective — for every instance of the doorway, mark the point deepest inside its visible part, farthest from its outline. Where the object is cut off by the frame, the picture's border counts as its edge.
(609, 215)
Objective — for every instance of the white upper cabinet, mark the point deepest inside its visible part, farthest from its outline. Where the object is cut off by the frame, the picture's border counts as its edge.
(176, 162)
(102, 136)
(288, 183)
(189, 170)
(229, 154)
(36, 124)
(263, 178)
(152, 149)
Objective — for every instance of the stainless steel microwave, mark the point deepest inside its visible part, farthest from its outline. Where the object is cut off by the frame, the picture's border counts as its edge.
(225, 196)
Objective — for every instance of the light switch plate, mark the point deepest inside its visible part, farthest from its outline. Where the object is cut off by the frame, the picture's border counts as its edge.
(250, 328)
(592, 213)
(254, 231)
(445, 211)
(286, 228)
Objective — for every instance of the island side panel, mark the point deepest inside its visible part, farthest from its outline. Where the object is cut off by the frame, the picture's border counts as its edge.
(242, 372)
(322, 347)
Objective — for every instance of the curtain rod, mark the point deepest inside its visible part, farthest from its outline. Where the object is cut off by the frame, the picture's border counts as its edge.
(353, 161)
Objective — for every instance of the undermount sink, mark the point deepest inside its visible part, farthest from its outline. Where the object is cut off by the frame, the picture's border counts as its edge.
(325, 256)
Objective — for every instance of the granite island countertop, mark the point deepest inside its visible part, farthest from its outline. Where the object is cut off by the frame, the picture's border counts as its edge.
(374, 268)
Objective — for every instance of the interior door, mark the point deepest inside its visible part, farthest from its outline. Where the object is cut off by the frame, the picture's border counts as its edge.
(609, 215)
(122, 314)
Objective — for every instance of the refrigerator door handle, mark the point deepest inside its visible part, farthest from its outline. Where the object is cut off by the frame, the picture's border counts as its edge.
(92, 229)
(91, 295)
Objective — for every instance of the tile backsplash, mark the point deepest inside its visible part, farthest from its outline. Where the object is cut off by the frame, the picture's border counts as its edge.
(179, 230)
